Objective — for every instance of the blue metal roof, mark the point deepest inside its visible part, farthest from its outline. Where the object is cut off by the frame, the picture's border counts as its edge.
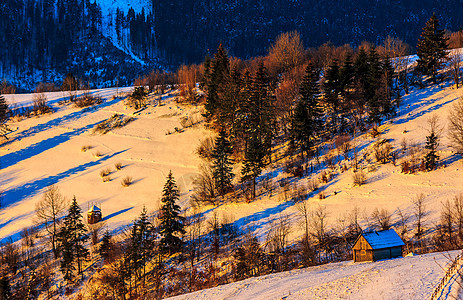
(383, 239)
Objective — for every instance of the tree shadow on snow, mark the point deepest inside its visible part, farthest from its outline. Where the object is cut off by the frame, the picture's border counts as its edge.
(17, 194)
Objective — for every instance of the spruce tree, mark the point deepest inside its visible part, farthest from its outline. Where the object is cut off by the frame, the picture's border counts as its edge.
(431, 159)
(5, 288)
(142, 243)
(222, 167)
(106, 248)
(332, 88)
(372, 86)
(307, 119)
(3, 109)
(387, 106)
(301, 128)
(431, 48)
(72, 238)
(262, 121)
(171, 221)
(253, 162)
(219, 72)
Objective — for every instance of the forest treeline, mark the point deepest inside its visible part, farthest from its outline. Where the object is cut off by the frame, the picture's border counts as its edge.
(46, 39)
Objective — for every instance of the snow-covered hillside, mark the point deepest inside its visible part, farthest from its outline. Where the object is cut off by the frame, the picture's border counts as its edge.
(413, 277)
(47, 150)
(109, 9)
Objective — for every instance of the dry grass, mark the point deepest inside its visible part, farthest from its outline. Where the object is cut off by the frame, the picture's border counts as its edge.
(359, 177)
(105, 172)
(126, 181)
(97, 154)
(118, 165)
(85, 148)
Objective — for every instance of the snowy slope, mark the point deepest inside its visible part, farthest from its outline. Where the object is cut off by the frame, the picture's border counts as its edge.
(109, 8)
(27, 167)
(47, 150)
(402, 278)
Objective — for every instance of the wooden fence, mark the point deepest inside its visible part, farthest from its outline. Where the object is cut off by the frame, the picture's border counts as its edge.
(452, 270)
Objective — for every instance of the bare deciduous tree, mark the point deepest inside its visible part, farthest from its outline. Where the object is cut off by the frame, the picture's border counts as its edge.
(287, 52)
(446, 218)
(455, 129)
(49, 210)
(204, 187)
(382, 218)
(458, 214)
(455, 65)
(420, 213)
(403, 220)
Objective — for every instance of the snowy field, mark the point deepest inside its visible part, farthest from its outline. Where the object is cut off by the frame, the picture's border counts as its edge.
(402, 278)
(47, 150)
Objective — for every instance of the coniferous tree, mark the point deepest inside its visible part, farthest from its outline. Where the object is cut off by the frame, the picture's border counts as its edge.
(3, 109)
(5, 288)
(262, 121)
(142, 243)
(207, 70)
(346, 77)
(107, 247)
(219, 72)
(387, 106)
(171, 221)
(431, 159)
(301, 128)
(431, 48)
(332, 87)
(242, 126)
(253, 162)
(372, 86)
(72, 238)
(307, 117)
(230, 100)
(222, 167)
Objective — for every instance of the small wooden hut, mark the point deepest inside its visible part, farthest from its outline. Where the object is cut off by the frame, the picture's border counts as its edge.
(376, 245)
(94, 215)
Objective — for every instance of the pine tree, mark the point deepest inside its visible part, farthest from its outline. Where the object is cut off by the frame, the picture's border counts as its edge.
(372, 86)
(5, 288)
(253, 162)
(262, 117)
(431, 48)
(431, 159)
(171, 221)
(332, 88)
(346, 77)
(207, 70)
(220, 70)
(142, 243)
(3, 109)
(106, 248)
(387, 106)
(72, 238)
(222, 167)
(308, 114)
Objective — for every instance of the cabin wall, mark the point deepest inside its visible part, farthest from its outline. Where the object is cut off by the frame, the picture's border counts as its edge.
(396, 251)
(363, 255)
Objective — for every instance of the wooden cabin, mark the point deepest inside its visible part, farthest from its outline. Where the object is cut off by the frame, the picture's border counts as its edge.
(376, 245)
(94, 215)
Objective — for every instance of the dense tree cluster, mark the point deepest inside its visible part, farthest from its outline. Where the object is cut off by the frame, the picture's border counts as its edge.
(67, 35)
(245, 27)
